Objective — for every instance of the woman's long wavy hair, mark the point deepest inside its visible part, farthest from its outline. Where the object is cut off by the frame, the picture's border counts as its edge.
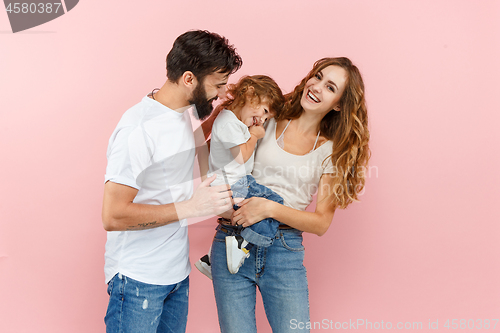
(347, 128)
(255, 88)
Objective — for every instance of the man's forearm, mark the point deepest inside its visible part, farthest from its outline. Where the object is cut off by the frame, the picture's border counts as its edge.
(135, 216)
(119, 212)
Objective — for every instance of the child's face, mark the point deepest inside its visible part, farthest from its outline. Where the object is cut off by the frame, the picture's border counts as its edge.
(255, 114)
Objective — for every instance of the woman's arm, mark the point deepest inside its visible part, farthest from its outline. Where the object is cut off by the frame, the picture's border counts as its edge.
(206, 126)
(202, 145)
(203, 152)
(256, 209)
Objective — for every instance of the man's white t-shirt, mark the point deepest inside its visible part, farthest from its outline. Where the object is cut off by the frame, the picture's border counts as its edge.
(152, 150)
(228, 132)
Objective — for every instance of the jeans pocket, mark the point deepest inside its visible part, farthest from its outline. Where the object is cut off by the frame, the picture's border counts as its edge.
(292, 241)
(110, 286)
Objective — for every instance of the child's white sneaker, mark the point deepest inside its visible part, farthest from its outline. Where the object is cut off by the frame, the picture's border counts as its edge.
(204, 266)
(236, 252)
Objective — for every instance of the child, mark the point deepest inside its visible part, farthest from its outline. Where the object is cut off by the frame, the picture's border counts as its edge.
(235, 131)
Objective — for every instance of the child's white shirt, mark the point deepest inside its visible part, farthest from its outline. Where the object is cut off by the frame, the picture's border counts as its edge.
(228, 132)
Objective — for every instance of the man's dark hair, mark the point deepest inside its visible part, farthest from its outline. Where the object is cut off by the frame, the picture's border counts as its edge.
(201, 52)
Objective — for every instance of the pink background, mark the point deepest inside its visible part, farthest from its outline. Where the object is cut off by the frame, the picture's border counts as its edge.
(422, 245)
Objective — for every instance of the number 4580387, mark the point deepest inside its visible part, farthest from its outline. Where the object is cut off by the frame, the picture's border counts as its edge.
(25, 8)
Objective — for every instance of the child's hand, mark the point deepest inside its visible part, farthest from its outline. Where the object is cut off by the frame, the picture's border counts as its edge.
(257, 130)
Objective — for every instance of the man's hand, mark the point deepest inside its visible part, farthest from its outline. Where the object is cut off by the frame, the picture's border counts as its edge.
(208, 200)
(120, 213)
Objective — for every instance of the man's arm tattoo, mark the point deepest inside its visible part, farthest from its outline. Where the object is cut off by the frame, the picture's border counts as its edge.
(146, 225)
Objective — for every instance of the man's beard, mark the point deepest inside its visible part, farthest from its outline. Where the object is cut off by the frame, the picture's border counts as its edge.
(203, 107)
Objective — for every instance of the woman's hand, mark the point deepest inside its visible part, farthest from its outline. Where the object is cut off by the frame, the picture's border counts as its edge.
(252, 210)
(227, 214)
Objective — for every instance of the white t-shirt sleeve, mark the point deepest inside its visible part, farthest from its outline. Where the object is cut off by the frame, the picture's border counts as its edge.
(328, 165)
(130, 152)
(232, 135)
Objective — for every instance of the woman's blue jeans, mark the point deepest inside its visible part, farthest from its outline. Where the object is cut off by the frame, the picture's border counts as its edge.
(277, 271)
(136, 307)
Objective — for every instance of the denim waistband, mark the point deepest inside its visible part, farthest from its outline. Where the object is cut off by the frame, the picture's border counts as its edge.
(227, 223)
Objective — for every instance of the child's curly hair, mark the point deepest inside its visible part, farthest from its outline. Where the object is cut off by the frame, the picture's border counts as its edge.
(257, 88)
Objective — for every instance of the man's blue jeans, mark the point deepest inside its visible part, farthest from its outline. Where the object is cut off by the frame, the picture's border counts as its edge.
(263, 232)
(136, 307)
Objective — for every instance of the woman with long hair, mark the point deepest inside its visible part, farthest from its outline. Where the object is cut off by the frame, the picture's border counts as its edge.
(318, 144)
